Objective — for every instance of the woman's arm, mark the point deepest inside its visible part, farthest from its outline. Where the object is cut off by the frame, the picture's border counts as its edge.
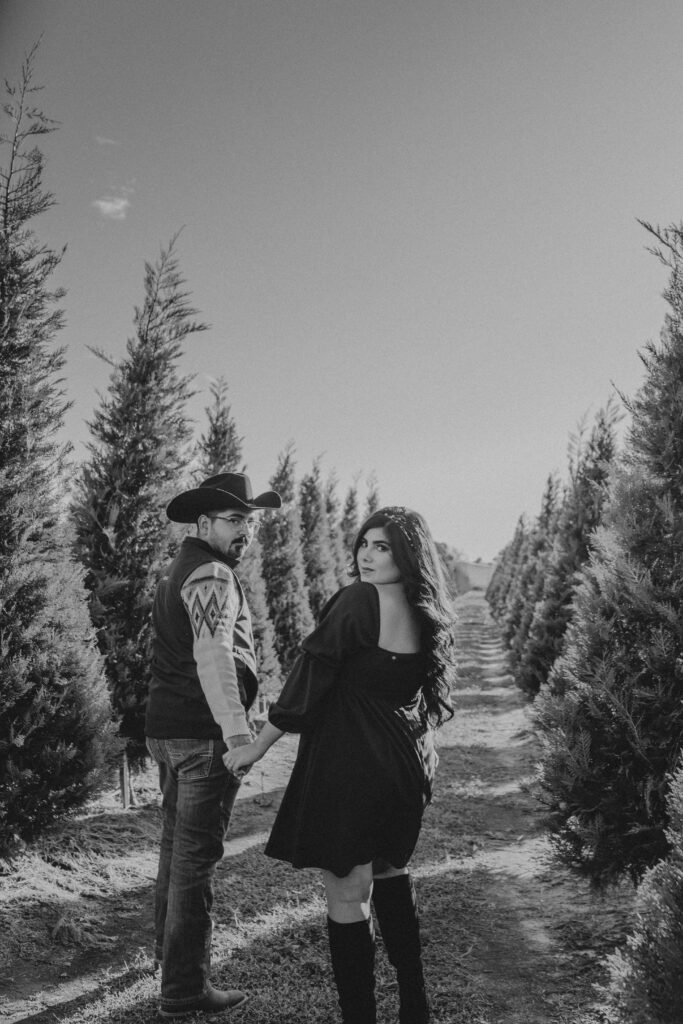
(242, 757)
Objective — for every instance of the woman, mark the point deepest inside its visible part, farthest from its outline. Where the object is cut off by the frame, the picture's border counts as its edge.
(371, 681)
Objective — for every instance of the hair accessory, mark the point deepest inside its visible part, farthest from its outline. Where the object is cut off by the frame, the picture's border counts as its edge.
(400, 516)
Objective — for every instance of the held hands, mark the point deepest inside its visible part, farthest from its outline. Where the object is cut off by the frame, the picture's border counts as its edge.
(241, 759)
(243, 753)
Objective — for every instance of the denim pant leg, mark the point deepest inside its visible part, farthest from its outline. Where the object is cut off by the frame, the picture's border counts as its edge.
(198, 797)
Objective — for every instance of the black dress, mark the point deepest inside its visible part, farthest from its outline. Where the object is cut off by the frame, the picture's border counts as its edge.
(363, 772)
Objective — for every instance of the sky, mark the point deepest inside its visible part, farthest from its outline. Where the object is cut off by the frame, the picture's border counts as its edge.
(412, 228)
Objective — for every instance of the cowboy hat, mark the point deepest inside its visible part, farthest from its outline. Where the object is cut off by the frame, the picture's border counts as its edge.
(226, 490)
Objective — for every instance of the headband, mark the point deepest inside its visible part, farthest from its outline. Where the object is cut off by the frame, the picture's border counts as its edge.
(400, 516)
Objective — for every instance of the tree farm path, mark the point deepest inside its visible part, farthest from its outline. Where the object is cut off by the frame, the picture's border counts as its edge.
(535, 936)
(509, 936)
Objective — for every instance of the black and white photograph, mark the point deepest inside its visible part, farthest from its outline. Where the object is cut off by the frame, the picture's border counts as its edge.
(341, 511)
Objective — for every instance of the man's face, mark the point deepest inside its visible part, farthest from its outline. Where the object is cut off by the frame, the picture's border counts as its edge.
(230, 532)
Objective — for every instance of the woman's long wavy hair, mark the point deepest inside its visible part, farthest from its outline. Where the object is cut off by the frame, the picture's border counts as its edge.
(417, 560)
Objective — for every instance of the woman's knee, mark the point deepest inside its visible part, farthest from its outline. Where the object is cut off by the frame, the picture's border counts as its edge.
(348, 898)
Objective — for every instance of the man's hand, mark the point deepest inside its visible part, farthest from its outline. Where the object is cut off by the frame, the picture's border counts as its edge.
(240, 761)
(242, 755)
(232, 743)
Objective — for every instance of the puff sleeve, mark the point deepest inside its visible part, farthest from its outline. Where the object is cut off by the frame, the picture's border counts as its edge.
(348, 622)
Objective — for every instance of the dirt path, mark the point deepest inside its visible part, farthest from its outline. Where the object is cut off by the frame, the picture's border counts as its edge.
(537, 936)
(509, 937)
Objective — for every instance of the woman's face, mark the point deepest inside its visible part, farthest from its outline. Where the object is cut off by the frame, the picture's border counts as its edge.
(375, 561)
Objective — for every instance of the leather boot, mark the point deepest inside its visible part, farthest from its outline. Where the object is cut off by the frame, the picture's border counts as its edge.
(395, 904)
(352, 947)
(213, 1001)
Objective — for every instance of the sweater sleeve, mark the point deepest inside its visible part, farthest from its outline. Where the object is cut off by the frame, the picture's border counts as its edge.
(348, 622)
(212, 603)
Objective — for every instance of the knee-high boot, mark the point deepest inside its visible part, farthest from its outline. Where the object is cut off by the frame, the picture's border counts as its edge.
(353, 963)
(395, 905)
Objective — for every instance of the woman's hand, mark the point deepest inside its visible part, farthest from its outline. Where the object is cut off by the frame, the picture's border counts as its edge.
(242, 757)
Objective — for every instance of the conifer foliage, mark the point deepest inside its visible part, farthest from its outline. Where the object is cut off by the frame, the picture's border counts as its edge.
(56, 733)
(527, 584)
(612, 713)
(349, 521)
(283, 566)
(646, 981)
(372, 501)
(334, 519)
(136, 460)
(506, 571)
(250, 573)
(316, 539)
(220, 448)
(590, 462)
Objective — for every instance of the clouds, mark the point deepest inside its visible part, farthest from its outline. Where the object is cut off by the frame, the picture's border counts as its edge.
(112, 207)
(116, 205)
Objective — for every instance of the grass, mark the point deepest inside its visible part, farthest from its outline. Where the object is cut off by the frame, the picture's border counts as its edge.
(76, 908)
(269, 940)
(78, 905)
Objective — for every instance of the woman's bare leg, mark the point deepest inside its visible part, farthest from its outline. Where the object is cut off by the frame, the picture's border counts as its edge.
(352, 942)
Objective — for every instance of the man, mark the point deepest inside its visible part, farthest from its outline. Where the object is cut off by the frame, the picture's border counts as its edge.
(203, 682)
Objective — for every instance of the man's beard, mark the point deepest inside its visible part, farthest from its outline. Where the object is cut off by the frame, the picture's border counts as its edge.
(236, 553)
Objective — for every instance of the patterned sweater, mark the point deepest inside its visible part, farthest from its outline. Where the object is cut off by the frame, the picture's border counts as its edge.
(203, 677)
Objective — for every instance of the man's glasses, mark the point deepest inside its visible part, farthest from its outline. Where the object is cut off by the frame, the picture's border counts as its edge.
(251, 524)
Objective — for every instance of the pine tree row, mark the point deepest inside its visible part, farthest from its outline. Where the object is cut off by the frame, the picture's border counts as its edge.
(82, 547)
(589, 597)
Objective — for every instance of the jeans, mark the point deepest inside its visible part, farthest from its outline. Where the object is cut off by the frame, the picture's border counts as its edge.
(198, 796)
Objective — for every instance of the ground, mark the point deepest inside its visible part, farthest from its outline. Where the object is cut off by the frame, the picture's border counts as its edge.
(509, 936)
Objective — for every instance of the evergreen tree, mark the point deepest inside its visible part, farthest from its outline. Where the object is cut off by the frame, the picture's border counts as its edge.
(319, 565)
(506, 571)
(283, 566)
(372, 496)
(450, 563)
(589, 467)
(333, 509)
(646, 982)
(612, 715)
(349, 521)
(220, 449)
(138, 456)
(56, 733)
(250, 572)
(534, 553)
